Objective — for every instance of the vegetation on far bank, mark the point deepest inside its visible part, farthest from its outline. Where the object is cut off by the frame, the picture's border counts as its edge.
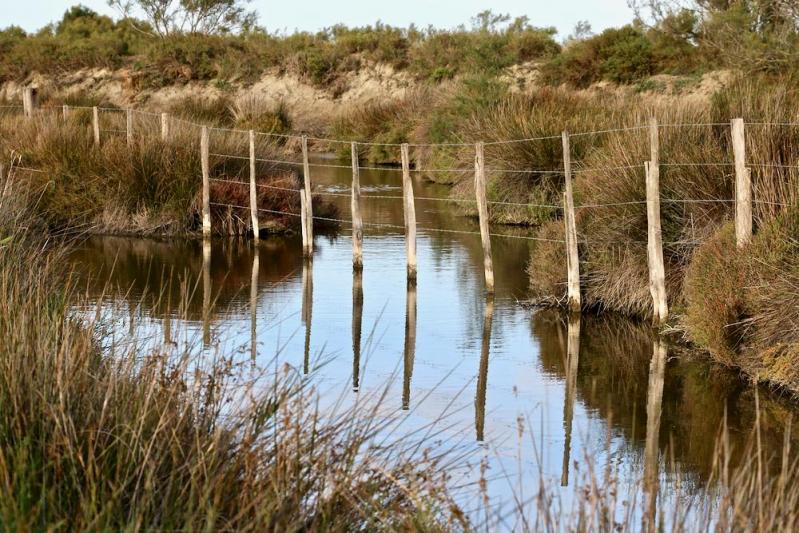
(754, 36)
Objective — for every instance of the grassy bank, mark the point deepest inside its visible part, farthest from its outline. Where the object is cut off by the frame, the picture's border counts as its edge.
(148, 188)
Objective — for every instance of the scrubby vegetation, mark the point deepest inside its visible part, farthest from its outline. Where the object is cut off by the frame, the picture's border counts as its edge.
(757, 36)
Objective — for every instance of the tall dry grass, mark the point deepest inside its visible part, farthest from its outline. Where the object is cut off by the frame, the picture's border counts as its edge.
(136, 436)
(150, 187)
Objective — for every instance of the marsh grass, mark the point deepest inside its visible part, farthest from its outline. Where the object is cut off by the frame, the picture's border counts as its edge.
(148, 188)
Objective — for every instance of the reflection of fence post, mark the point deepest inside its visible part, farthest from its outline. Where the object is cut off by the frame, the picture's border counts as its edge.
(409, 212)
(357, 326)
(30, 101)
(743, 186)
(164, 127)
(572, 362)
(482, 372)
(96, 125)
(409, 351)
(482, 211)
(254, 305)
(129, 126)
(307, 310)
(357, 221)
(572, 256)
(308, 221)
(256, 228)
(206, 168)
(206, 292)
(654, 407)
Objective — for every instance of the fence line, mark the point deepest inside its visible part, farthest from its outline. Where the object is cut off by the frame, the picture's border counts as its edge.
(650, 172)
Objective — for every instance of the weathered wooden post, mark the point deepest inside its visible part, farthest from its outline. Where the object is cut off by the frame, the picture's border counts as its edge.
(657, 272)
(306, 169)
(96, 125)
(65, 112)
(572, 256)
(303, 221)
(409, 212)
(129, 126)
(206, 168)
(743, 186)
(482, 211)
(253, 191)
(30, 101)
(357, 221)
(164, 127)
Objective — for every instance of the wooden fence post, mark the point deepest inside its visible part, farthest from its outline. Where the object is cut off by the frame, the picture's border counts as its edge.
(654, 248)
(357, 221)
(65, 112)
(743, 186)
(409, 212)
(30, 101)
(306, 170)
(96, 125)
(572, 256)
(253, 191)
(129, 126)
(482, 211)
(657, 272)
(206, 168)
(164, 127)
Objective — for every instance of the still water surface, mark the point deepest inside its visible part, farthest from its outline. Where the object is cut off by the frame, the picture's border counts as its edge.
(600, 387)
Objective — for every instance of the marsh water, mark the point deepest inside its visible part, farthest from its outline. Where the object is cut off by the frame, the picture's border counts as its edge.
(597, 391)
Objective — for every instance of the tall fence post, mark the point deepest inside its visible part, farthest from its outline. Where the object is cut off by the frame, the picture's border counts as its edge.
(743, 186)
(164, 127)
(129, 126)
(409, 212)
(253, 191)
(30, 101)
(357, 221)
(65, 112)
(572, 256)
(206, 167)
(657, 272)
(482, 211)
(308, 221)
(96, 125)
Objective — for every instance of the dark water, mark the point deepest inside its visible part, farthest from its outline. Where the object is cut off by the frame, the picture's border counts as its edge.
(598, 388)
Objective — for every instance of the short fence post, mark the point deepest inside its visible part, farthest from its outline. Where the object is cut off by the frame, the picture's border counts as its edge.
(206, 168)
(164, 127)
(96, 125)
(743, 186)
(65, 112)
(357, 221)
(256, 228)
(409, 212)
(303, 221)
(572, 256)
(482, 211)
(129, 126)
(657, 273)
(306, 169)
(30, 101)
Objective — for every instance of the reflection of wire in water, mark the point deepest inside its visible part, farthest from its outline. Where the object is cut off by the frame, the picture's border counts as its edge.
(357, 323)
(206, 292)
(307, 309)
(410, 342)
(254, 304)
(571, 363)
(482, 374)
(654, 401)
